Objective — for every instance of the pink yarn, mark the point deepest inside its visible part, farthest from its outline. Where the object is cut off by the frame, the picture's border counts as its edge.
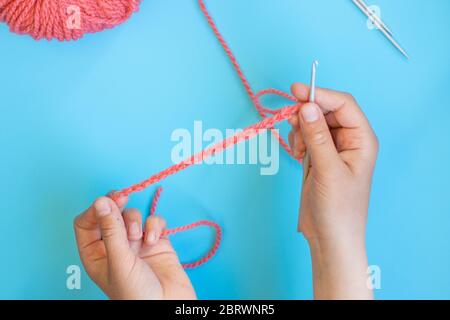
(191, 226)
(267, 123)
(50, 19)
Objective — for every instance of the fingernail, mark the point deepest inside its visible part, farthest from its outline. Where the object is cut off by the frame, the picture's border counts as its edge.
(151, 237)
(102, 207)
(134, 229)
(310, 113)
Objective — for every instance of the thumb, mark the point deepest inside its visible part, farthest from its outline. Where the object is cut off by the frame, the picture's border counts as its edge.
(317, 137)
(112, 228)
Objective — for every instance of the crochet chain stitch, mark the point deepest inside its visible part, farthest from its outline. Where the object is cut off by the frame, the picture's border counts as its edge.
(267, 123)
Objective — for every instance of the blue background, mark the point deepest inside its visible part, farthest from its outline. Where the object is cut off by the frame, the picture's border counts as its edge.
(79, 119)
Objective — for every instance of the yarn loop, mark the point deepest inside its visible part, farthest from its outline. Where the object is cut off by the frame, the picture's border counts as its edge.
(188, 227)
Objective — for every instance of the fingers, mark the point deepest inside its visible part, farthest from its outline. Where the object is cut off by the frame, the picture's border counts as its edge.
(295, 139)
(87, 229)
(346, 112)
(121, 203)
(291, 140)
(112, 229)
(317, 137)
(343, 113)
(133, 224)
(293, 121)
(154, 226)
(296, 143)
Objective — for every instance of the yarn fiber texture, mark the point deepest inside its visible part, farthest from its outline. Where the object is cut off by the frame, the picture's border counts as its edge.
(64, 20)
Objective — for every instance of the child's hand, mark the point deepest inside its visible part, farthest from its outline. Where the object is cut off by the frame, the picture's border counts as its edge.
(123, 261)
(339, 149)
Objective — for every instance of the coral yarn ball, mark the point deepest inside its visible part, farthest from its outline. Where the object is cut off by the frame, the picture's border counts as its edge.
(64, 20)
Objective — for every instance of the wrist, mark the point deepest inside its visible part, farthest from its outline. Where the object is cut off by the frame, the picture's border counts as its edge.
(340, 268)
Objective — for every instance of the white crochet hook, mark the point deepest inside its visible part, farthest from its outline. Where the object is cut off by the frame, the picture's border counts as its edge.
(312, 93)
(312, 99)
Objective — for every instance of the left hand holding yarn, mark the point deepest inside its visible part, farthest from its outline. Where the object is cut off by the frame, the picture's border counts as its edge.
(125, 261)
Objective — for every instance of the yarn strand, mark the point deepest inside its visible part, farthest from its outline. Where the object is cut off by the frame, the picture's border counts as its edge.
(219, 147)
(267, 123)
(48, 19)
(254, 98)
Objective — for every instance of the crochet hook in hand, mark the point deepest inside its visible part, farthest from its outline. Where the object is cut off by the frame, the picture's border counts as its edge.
(312, 99)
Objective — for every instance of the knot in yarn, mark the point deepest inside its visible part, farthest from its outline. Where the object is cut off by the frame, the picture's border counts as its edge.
(64, 20)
